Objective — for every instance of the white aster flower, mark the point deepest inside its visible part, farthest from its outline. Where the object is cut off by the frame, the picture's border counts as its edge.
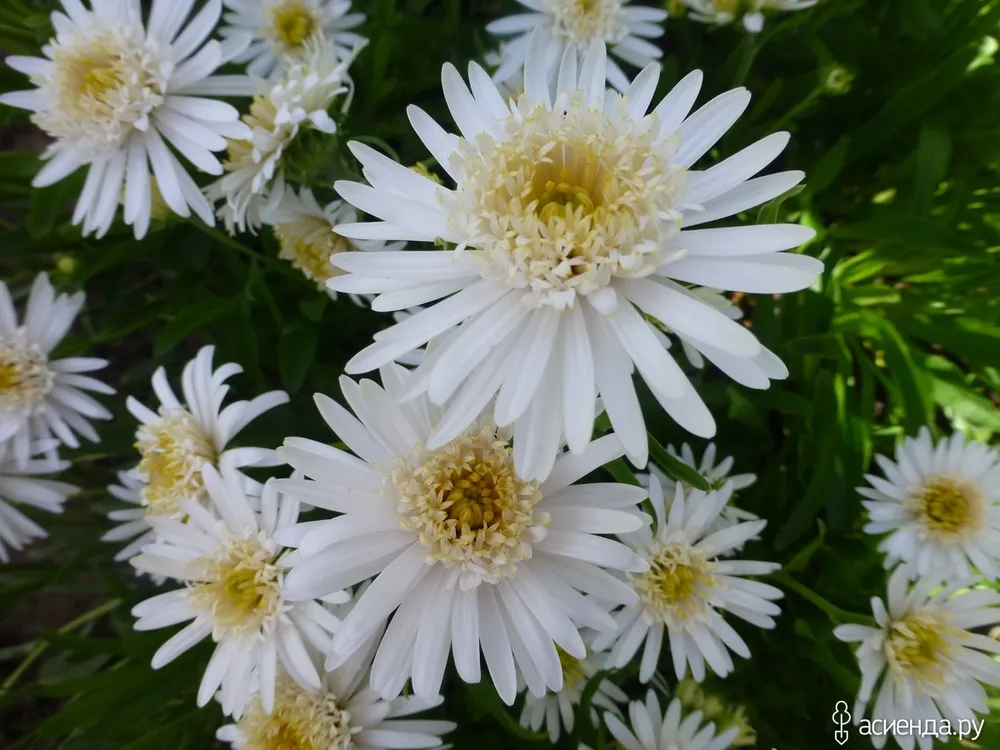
(299, 103)
(653, 729)
(752, 12)
(558, 710)
(467, 554)
(113, 92)
(280, 30)
(572, 222)
(234, 593)
(25, 483)
(922, 662)
(939, 505)
(688, 589)
(573, 25)
(731, 515)
(713, 297)
(41, 398)
(305, 233)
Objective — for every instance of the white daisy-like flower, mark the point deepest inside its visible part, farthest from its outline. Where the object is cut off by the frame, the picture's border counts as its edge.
(557, 711)
(297, 104)
(572, 221)
(731, 514)
(113, 92)
(26, 483)
(132, 523)
(234, 593)
(41, 398)
(280, 30)
(305, 233)
(688, 589)
(653, 729)
(183, 437)
(751, 12)
(469, 556)
(922, 662)
(713, 297)
(573, 25)
(939, 505)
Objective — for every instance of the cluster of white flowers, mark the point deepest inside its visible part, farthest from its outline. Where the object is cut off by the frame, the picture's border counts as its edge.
(453, 524)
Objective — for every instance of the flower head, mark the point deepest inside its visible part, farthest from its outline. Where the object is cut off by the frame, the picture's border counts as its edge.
(923, 661)
(751, 12)
(571, 218)
(572, 25)
(502, 559)
(113, 92)
(281, 29)
(688, 588)
(41, 398)
(653, 729)
(938, 505)
(226, 556)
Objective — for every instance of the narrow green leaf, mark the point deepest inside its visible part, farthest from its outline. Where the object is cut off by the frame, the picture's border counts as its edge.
(190, 319)
(677, 468)
(296, 354)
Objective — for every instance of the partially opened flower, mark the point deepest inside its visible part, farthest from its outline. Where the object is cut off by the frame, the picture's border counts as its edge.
(27, 484)
(280, 119)
(469, 556)
(234, 593)
(184, 436)
(116, 94)
(923, 661)
(939, 506)
(573, 25)
(652, 729)
(280, 29)
(557, 710)
(41, 398)
(688, 589)
(572, 219)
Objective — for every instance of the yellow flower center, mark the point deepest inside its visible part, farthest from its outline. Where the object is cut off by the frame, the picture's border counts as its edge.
(308, 243)
(918, 646)
(677, 584)
(468, 505)
(174, 451)
(572, 669)
(293, 22)
(727, 6)
(25, 379)
(580, 21)
(300, 721)
(949, 508)
(563, 200)
(241, 589)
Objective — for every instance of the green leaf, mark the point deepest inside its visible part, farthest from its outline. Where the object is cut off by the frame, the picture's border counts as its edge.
(933, 154)
(677, 468)
(296, 354)
(905, 375)
(196, 315)
(823, 173)
(770, 211)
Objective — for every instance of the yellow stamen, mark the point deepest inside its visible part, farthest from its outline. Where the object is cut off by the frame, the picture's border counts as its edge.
(676, 584)
(241, 590)
(918, 646)
(294, 22)
(300, 721)
(174, 450)
(949, 508)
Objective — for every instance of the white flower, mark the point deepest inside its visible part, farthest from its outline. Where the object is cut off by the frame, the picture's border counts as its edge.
(688, 589)
(922, 661)
(22, 483)
(568, 216)
(181, 438)
(731, 514)
(557, 710)
(654, 730)
(297, 104)
(41, 398)
(574, 25)
(114, 92)
(305, 232)
(281, 28)
(752, 11)
(713, 297)
(940, 506)
(466, 553)
(132, 523)
(234, 592)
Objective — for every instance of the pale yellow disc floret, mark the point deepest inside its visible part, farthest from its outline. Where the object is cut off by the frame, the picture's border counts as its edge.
(949, 508)
(239, 589)
(309, 242)
(918, 646)
(25, 379)
(677, 585)
(291, 23)
(563, 200)
(580, 21)
(301, 720)
(468, 506)
(174, 451)
(104, 82)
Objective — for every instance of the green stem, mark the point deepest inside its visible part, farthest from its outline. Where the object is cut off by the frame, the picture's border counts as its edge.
(837, 615)
(40, 646)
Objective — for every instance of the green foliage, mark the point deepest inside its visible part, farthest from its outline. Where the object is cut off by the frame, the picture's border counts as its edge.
(902, 330)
